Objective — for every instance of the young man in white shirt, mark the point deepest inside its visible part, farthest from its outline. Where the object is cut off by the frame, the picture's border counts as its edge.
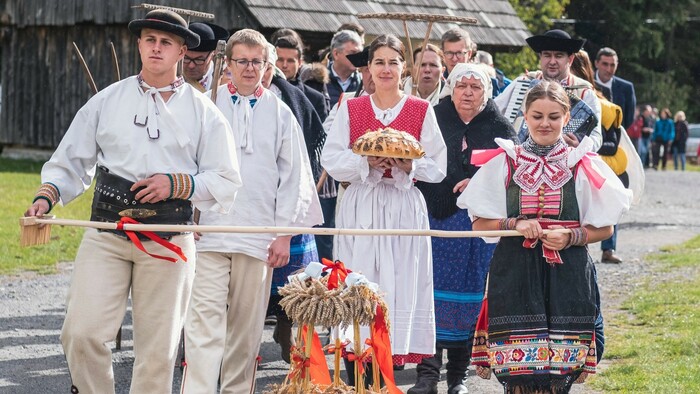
(160, 147)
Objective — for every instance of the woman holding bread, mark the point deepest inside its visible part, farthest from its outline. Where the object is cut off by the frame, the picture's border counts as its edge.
(382, 195)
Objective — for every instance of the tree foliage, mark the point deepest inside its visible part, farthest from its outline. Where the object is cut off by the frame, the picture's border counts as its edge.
(656, 43)
(537, 16)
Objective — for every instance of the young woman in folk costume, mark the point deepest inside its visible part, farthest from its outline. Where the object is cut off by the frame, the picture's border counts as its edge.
(382, 195)
(469, 120)
(536, 329)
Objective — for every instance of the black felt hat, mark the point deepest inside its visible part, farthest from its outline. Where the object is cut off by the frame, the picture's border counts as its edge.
(359, 59)
(555, 40)
(167, 21)
(209, 36)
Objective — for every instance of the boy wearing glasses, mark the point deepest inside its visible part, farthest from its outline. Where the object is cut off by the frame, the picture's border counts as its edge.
(232, 286)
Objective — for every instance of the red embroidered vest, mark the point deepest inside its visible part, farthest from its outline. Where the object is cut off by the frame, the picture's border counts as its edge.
(362, 119)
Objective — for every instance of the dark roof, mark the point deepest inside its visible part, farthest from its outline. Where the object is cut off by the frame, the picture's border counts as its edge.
(498, 23)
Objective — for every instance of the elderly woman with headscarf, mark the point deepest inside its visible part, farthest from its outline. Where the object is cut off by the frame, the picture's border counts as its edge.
(469, 120)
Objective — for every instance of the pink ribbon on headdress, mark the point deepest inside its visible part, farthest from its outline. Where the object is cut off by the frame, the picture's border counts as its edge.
(592, 173)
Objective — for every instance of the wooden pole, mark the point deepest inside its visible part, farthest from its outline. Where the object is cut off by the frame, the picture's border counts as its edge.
(409, 55)
(32, 221)
(307, 355)
(86, 69)
(336, 365)
(419, 61)
(359, 380)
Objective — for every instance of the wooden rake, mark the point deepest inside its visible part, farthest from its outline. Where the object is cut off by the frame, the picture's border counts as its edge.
(418, 17)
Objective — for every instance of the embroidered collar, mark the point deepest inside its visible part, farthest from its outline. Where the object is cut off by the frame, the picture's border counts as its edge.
(153, 110)
(533, 170)
(179, 81)
(252, 100)
(234, 90)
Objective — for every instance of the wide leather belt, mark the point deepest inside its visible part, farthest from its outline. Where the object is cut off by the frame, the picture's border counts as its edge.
(114, 199)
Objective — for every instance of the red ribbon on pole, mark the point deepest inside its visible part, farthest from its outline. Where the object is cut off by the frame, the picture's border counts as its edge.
(551, 256)
(363, 358)
(338, 272)
(300, 364)
(153, 237)
(382, 351)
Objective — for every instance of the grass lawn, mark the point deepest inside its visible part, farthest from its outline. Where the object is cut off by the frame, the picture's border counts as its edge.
(655, 345)
(19, 180)
(692, 167)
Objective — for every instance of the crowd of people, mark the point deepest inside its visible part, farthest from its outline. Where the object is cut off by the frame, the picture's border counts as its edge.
(659, 136)
(545, 154)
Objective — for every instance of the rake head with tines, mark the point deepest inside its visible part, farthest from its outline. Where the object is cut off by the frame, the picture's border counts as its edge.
(32, 232)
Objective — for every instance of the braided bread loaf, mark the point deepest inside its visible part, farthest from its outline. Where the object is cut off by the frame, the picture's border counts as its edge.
(388, 142)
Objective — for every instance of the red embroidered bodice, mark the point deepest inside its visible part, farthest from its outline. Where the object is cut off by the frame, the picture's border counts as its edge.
(362, 118)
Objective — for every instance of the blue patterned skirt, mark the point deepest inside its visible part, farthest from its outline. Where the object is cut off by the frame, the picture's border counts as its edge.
(302, 251)
(460, 266)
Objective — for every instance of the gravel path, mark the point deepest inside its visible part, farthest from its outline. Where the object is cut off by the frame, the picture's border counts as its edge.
(31, 307)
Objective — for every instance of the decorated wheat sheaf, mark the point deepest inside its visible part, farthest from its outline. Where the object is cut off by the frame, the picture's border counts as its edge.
(361, 303)
(310, 302)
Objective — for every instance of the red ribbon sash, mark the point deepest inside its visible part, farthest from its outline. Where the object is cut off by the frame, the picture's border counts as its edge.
(153, 237)
(552, 256)
(482, 156)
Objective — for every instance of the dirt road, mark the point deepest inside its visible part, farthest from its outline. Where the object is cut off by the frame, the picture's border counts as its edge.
(31, 308)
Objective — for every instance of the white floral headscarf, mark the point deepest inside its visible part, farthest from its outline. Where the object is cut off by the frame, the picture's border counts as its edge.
(468, 70)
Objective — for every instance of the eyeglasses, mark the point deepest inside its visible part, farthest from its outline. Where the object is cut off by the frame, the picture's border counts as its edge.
(198, 61)
(459, 55)
(243, 63)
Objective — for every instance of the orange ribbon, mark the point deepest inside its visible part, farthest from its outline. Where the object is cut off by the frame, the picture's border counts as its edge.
(382, 351)
(153, 237)
(338, 272)
(318, 369)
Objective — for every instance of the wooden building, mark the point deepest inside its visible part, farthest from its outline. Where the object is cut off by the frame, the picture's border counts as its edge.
(42, 84)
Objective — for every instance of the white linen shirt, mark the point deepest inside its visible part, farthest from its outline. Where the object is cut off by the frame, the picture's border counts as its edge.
(278, 186)
(104, 133)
